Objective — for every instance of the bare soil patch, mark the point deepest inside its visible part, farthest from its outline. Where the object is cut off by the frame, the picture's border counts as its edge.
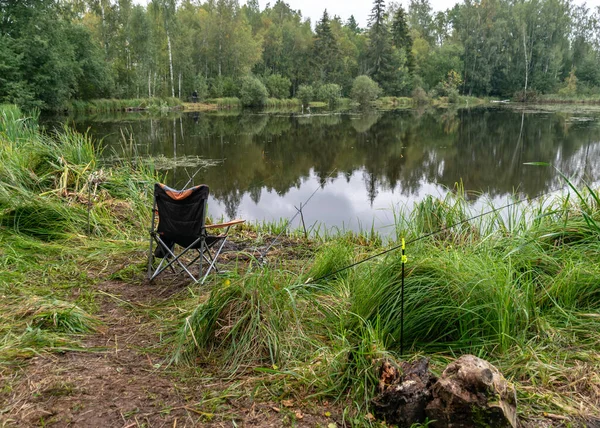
(121, 377)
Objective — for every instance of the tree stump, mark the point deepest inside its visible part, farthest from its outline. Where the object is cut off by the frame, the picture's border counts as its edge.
(472, 392)
(403, 396)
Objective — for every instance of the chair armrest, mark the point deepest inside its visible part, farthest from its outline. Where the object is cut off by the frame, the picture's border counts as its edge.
(222, 225)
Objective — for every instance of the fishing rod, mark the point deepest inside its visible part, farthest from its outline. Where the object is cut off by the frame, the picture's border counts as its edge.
(192, 177)
(289, 221)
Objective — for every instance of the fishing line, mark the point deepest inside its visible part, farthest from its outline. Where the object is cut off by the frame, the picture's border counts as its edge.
(289, 221)
(427, 235)
(192, 177)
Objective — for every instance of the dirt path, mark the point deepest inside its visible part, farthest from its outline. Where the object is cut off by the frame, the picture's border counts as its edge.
(118, 382)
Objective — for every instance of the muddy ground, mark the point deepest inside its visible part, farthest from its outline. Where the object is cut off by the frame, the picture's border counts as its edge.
(122, 377)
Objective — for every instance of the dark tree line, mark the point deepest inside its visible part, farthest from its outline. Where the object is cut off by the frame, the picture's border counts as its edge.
(53, 51)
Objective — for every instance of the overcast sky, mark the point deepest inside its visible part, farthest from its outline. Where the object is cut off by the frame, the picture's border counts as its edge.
(361, 9)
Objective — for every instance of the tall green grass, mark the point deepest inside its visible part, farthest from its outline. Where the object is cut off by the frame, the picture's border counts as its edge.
(283, 103)
(230, 102)
(57, 199)
(519, 283)
(53, 186)
(248, 323)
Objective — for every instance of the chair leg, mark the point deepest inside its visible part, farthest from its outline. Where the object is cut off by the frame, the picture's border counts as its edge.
(202, 254)
(214, 259)
(150, 259)
(209, 259)
(174, 259)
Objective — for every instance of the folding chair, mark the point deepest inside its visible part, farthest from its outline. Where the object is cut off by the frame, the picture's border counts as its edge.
(181, 221)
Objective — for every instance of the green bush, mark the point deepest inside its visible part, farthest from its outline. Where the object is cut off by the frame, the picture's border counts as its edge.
(419, 95)
(453, 96)
(330, 94)
(364, 90)
(221, 87)
(201, 87)
(278, 86)
(306, 94)
(231, 87)
(253, 93)
(570, 88)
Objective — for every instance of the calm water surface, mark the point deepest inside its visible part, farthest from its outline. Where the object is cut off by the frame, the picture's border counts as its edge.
(364, 165)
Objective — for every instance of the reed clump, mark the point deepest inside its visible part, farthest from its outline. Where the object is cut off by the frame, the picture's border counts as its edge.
(255, 321)
(226, 103)
(54, 185)
(274, 103)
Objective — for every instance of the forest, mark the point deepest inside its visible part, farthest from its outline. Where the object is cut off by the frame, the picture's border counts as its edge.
(55, 51)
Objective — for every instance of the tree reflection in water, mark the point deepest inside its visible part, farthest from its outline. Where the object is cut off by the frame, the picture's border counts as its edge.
(274, 161)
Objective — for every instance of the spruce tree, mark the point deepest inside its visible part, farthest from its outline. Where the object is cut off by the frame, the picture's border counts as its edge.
(353, 25)
(384, 61)
(326, 50)
(402, 38)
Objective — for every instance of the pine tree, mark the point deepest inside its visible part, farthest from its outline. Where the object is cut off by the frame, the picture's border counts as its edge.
(353, 25)
(402, 38)
(377, 23)
(384, 61)
(326, 50)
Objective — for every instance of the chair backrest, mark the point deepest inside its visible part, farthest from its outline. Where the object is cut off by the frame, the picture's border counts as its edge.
(181, 213)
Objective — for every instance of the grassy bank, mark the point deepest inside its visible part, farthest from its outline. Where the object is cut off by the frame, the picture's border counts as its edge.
(114, 105)
(54, 193)
(518, 287)
(225, 103)
(567, 99)
(520, 290)
(167, 104)
(410, 102)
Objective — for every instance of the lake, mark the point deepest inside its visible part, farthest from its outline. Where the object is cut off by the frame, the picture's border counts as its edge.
(361, 166)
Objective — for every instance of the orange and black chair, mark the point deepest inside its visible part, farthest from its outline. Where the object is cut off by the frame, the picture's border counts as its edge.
(182, 222)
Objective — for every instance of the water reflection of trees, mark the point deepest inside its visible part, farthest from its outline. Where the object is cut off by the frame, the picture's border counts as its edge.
(485, 148)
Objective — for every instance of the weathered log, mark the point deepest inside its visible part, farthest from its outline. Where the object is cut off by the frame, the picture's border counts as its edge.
(472, 392)
(403, 396)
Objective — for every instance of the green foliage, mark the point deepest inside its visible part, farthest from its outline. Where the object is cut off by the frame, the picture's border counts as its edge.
(252, 92)
(231, 102)
(201, 87)
(402, 38)
(570, 87)
(329, 93)
(283, 103)
(278, 86)
(440, 62)
(326, 51)
(453, 96)
(50, 56)
(47, 59)
(331, 257)
(365, 90)
(419, 95)
(39, 174)
(306, 94)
